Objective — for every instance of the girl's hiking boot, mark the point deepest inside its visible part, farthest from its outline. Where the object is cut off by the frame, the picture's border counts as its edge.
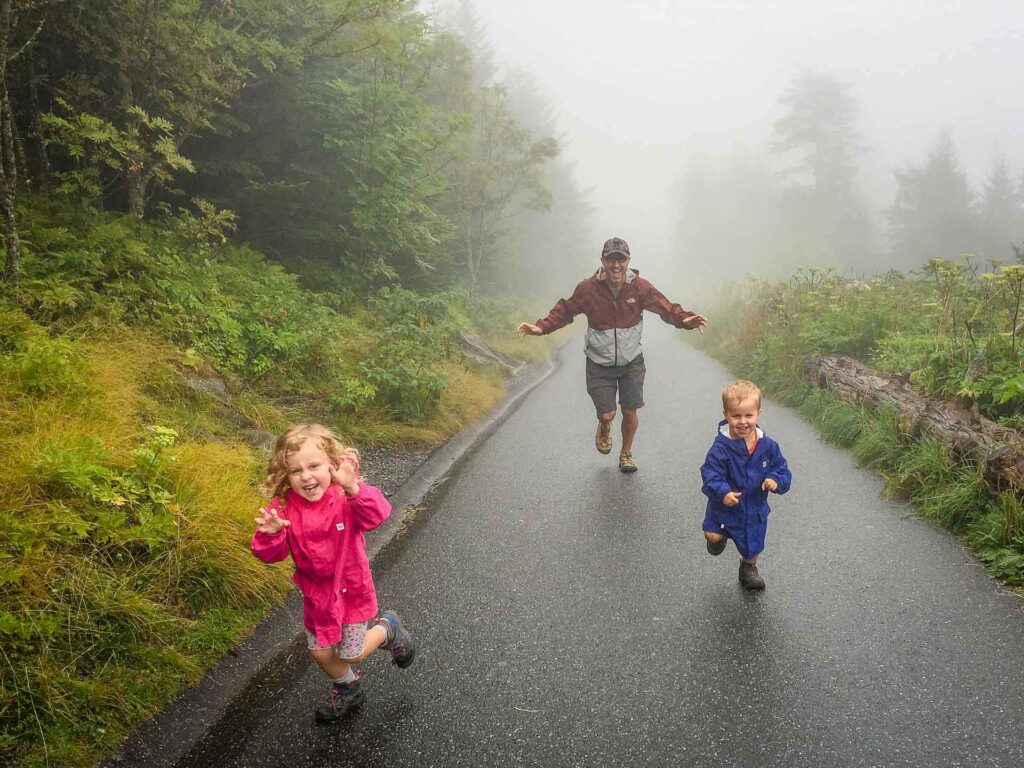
(344, 697)
(399, 642)
(749, 577)
(717, 547)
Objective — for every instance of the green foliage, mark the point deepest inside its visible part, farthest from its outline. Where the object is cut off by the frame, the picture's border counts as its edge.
(91, 609)
(31, 361)
(143, 141)
(953, 330)
(223, 302)
(402, 373)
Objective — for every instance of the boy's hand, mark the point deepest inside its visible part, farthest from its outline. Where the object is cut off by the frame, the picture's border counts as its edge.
(732, 498)
(528, 328)
(269, 522)
(769, 485)
(346, 474)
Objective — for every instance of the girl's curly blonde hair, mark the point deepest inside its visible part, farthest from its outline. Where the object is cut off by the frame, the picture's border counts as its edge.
(290, 442)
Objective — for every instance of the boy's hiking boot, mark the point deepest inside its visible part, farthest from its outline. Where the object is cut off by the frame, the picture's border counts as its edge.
(749, 577)
(603, 438)
(399, 642)
(717, 547)
(344, 697)
(626, 463)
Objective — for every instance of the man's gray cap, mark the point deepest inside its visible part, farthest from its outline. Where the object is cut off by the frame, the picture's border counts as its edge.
(615, 245)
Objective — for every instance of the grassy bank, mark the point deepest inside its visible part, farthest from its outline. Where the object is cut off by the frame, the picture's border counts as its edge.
(141, 372)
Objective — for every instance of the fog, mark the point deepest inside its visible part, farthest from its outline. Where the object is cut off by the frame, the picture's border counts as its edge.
(644, 87)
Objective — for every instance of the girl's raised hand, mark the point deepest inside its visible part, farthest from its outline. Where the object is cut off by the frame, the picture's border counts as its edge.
(346, 474)
(769, 485)
(269, 522)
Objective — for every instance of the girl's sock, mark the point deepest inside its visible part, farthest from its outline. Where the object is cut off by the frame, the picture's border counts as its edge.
(348, 677)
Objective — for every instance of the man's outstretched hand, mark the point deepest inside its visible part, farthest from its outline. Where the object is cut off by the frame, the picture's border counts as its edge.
(697, 322)
(529, 329)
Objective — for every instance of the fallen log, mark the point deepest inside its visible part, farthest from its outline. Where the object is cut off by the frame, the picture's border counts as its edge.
(999, 450)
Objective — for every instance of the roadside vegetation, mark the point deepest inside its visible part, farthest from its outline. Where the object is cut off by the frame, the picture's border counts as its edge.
(134, 407)
(219, 219)
(953, 329)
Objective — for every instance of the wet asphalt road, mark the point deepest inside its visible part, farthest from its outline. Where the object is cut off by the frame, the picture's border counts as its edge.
(569, 615)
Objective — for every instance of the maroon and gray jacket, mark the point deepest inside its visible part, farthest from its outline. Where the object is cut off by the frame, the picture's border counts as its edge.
(614, 325)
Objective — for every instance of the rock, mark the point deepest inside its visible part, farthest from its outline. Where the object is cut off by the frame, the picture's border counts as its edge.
(478, 349)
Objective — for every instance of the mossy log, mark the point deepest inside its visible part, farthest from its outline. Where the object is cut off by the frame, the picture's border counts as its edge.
(999, 450)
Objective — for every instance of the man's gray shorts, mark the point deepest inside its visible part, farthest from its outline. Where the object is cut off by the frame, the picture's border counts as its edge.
(604, 380)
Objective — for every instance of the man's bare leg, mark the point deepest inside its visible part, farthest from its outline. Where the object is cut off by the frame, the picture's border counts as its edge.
(603, 439)
(630, 421)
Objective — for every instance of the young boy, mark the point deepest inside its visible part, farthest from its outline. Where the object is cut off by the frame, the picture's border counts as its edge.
(741, 468)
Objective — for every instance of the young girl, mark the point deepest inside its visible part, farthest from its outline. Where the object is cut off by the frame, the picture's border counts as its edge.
(318, 514)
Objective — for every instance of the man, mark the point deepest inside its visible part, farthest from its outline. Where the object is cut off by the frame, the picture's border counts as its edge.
(614, 300)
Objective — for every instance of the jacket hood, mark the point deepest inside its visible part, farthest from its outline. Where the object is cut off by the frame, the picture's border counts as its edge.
(734, 444)
(631, 274)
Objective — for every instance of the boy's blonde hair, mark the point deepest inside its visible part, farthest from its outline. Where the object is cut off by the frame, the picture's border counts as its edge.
(739, 391)
(290, 442)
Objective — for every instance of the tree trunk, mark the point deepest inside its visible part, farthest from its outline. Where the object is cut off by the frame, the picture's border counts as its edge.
(37, 124)
(8, 183)
(20, 155)
(470, 260)
(137, 181)
(8, 193)
(999, 450)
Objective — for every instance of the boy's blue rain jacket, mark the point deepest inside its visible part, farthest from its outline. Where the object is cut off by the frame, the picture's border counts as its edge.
(729, 467)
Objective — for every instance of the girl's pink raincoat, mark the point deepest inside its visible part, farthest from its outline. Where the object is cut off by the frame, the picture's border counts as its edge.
(327, 544)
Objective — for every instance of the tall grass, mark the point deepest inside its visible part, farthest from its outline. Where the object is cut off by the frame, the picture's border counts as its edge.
(125, 568)
(127, 507)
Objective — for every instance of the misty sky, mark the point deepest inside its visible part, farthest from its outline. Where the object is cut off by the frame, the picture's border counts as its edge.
(639, 84)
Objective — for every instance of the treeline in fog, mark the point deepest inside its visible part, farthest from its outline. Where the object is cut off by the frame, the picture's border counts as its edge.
(356, 142)
(799, 200)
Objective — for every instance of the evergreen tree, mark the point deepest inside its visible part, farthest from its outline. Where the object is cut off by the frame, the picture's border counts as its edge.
(728, 224)
(558, 241)
(931, 216)
(500, 173)
(129, 82)
(822, 205)
(1000, 212)
(336, 161)
(461, 18)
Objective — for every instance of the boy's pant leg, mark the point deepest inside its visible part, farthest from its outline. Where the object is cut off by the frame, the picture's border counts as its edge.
(748, 537)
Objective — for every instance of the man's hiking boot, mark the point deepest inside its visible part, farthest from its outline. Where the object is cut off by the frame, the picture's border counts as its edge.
(399, 641)
(717, 547)
(749, 577)
(344, 697)
(603, 438)
(626, 463)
